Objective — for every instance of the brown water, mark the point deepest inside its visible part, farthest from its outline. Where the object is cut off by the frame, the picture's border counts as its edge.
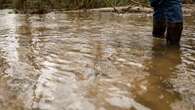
(93, 61)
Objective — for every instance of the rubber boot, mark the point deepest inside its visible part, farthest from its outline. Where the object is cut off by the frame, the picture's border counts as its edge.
(159, 28)
(174, 32)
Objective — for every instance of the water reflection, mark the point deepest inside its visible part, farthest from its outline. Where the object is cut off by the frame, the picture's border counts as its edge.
(90, 61)
(9, 80)
(156, 90)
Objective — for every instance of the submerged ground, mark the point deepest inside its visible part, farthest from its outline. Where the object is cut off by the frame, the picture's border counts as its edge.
(93, 61)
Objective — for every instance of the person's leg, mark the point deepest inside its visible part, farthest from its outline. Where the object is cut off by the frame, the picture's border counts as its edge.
(174, 32)
(159, 23)
(174, 24)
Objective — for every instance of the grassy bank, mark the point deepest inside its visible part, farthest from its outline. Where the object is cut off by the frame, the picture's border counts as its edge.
(45, 5)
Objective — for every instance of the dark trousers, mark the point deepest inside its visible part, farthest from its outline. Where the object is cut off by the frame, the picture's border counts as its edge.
(170, 13)
(168, 17)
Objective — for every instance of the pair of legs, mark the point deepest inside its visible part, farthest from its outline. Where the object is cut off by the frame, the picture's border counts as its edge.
(168, 22)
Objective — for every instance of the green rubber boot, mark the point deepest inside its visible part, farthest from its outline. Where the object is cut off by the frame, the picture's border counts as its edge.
(174, 32)
(159, 28)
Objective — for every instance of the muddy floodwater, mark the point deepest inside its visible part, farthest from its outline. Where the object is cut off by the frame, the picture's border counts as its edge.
(93, 61)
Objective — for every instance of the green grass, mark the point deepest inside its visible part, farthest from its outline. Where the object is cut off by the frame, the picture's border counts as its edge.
(68, 4)
(62, 4)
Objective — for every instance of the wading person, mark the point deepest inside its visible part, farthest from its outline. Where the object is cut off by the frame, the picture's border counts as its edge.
(167, 18)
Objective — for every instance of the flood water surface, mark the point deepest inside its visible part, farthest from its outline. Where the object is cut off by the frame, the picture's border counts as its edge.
(93, 61)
